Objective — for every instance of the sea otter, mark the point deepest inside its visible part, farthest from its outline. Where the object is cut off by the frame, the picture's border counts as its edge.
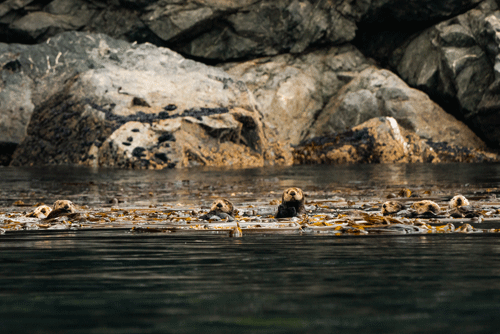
(221, 208)
(426, 208)
(40, 212)
(461, 208)
(391, 207)
(61, 208)
(458, 201)
(292, 203)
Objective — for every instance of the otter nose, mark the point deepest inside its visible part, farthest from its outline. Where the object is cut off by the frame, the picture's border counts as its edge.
(219, 205)
(66, 206)
(292, 193)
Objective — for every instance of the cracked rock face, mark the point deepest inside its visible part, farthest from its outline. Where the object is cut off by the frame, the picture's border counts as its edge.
(142, 107)
(456, 62)
(383, 140)
(329, 91)
(220, 30)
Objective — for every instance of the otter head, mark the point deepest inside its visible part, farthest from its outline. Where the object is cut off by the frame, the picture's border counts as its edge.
(426, 206)
(458, 201)
(292, 195)
(222, 205)
(64, 206)
(391, 207)
(42, 210)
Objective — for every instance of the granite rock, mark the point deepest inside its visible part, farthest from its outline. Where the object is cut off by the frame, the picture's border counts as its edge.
(217, 30)
(382, 140)
(457, 63)
(335, 89)
(139, 106)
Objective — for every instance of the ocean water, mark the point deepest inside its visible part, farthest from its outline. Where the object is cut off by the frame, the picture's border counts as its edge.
(117, 281)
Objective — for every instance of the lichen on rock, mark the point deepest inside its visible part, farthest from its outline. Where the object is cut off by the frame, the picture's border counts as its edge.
(382, 140)
(147, 107)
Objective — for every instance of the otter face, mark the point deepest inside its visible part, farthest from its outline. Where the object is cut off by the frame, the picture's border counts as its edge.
(293, 195)
(458, 201)
(426, 206)
(43, 209)
(222, 205)
(64, 205)
(391, 207)
(39, 211)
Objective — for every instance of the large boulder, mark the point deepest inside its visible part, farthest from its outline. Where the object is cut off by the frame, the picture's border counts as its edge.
(220, 30)
(457, 62)
(332, 90)
(383, 140)
(136, 106)
(292, 90)
(377, 92)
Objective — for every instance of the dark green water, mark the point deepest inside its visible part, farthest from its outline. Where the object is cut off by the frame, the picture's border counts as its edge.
(115, 281)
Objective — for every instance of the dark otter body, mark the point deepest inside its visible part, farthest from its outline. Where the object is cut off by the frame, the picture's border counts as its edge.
(62, 208)
(425, 209)
(292, 203)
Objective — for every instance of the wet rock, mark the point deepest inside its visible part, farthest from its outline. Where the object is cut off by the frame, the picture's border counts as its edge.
(189, 114)
(291, 90)
(317, 93)
(211, 30)
(218, 29)
(456, 63)
(382, 140)
(377, 92)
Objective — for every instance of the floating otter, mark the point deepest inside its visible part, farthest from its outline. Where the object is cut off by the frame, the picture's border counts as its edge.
(405, 192)
(458, 201)
(426, 208)
(221, 208)
(40, 212)
(391, 207)
(61, 208)
(461, 208)
(292, 203)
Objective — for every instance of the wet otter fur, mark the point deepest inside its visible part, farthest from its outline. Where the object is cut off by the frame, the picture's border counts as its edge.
(391, 207)
(292, 203)
(458, 201)
(221, 208)
(461, 208)
(61, 208)
(40, 212)
(426, 208)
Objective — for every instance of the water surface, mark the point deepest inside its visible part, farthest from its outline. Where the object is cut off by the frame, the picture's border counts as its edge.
(117, 281)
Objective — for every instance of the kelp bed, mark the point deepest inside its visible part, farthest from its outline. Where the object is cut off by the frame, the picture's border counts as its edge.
(329, 212)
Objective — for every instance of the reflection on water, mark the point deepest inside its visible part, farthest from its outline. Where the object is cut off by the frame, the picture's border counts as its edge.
(96, 186)
(117, 282)
(121, 282)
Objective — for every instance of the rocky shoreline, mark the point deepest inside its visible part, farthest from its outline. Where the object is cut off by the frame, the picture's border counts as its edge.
(162, 84)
